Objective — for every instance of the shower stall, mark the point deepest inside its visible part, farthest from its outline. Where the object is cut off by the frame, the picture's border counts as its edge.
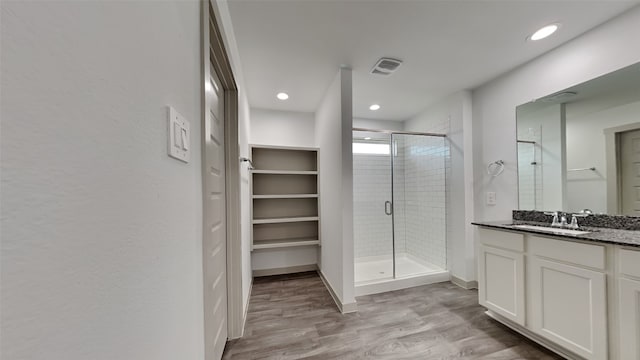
(400, 207)
(529, 168)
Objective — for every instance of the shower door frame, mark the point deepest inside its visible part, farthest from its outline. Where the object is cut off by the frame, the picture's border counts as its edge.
(391, 153)
(399, 132)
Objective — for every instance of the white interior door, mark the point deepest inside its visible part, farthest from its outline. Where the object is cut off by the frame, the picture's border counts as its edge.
(630, 172)
(214, 239)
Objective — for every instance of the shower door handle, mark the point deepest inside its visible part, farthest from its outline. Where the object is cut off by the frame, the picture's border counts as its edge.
(388, 208)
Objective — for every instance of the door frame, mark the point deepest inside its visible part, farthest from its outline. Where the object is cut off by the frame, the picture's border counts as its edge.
(214, 54)
(612, 145)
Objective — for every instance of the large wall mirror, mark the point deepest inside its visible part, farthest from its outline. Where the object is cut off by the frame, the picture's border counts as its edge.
(580, 148)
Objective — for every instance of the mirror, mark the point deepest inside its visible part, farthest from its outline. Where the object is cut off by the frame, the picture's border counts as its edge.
(580, 148)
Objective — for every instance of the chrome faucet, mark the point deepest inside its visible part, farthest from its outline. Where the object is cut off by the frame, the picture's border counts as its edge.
(574, 219)
(563, 221)
(555, 222)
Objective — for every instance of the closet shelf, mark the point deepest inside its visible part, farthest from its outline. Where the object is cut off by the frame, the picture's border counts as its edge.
(286, 196)
(285, 220)
(286, 172)
(284, 200)
(282, 243)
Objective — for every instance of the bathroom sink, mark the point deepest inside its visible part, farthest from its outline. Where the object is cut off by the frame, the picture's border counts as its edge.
(552, 230)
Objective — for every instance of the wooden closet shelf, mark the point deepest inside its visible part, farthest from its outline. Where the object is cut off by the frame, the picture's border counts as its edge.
(285, 220)
(281, 243)
(286, 196)
(285, 172)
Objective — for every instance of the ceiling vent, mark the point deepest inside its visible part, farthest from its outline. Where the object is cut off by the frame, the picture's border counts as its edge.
(386, 66)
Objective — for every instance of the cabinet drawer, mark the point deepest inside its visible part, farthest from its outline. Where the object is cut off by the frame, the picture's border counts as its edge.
(502, 239)
(576, 253)
(629, 262)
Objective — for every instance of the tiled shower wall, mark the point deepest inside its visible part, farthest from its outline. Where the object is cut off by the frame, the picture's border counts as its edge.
(425, 193)
(419, 200)
(529, 174)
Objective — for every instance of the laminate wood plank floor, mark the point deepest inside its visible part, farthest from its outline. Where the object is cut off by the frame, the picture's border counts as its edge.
(294, 317)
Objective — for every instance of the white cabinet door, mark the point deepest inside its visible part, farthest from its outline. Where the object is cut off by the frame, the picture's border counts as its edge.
(568, 306)
(501, 282)
(629, 301)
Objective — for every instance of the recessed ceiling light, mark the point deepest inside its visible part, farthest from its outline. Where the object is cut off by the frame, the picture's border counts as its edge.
(374, 107)
(367, 138)
(544, 32)
(282, 96)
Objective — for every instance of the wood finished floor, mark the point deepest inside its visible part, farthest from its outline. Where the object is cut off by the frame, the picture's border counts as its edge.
(294, 317)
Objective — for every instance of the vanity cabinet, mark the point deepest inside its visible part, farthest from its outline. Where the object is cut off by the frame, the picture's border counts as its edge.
(567, 295)
(629, 303)
(560, 292)
(501, 276)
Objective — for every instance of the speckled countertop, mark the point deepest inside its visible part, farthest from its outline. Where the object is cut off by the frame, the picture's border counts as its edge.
(598, 234)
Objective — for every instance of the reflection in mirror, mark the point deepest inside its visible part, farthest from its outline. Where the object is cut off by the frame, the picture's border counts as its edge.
(580, 148)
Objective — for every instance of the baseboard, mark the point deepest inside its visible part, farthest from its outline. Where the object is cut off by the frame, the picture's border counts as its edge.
(468, 285)
(532, 336)
(344, 308)
(350, 308)
(285, 270)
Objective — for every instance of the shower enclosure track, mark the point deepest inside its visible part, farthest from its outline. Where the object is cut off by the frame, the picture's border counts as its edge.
(399, 132)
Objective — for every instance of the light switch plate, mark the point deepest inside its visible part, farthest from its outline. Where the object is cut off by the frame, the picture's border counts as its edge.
(491, 198)
(178, 135)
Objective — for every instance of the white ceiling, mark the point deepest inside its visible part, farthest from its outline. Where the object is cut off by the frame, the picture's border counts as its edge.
(297, 46)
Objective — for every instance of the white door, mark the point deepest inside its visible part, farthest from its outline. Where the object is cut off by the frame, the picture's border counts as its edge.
(629, 301)
(630, 172)
(569, 307)
(214, 239)
(501, 282)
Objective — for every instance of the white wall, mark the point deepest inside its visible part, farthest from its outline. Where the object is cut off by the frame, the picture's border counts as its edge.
(334, 137)
(604, 49)
(245, 197)
(283, 128)
(377, 124)
(452, 116)
(101, 230)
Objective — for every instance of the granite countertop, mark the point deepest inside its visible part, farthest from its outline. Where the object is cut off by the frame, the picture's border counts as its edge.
(598, 234)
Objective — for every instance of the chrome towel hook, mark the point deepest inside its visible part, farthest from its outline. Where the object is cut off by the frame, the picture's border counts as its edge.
(495, 168)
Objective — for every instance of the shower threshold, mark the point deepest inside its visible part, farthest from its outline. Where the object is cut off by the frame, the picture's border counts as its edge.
(375, 274)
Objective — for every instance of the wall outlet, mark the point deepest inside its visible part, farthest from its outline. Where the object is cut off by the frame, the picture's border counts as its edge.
(491, 198)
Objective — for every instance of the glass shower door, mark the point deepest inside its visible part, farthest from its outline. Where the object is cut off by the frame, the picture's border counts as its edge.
(419, 204)
(372, 225)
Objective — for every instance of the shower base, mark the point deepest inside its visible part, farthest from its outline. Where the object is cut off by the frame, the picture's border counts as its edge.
(374, 274)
